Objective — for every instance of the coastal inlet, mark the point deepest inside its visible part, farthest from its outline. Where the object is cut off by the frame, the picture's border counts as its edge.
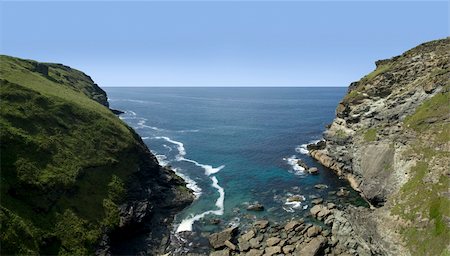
(241, 150)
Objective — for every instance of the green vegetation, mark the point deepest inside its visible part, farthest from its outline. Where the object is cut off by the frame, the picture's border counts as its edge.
(354, 96)
(370, 135)
(431, 111)
(422, 199)
(65, 160)
(341, 134)
(378, 71)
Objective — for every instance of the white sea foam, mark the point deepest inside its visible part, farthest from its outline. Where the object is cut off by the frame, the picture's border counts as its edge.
(162, 159)
(142, 124)
(288, 209)
(168, 147)
(302, 149)
(145, 138)
(180, 146)
(190, 130)
(293, 161)
(208, 168)
(191, 184)
(182, 152)
(186, 224)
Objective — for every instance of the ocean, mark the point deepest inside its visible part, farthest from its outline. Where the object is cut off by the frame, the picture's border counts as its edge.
(237, 146)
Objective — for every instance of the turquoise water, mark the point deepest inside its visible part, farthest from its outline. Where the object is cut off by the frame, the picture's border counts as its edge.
(233, 145)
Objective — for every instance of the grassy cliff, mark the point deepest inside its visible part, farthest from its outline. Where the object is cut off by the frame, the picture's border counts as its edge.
(67, 162)
(396, 125)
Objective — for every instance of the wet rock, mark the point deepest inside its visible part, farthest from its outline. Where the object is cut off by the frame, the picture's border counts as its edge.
(313, 247)
(272, 241)
(255, 207)
(331, 205)
(342, 192)
(313, 170)
(302, 164)
(269, 251)
(217, 240)
(296, 198)
(215, 221)
(320, 186)
(317, 146)
(317, 201)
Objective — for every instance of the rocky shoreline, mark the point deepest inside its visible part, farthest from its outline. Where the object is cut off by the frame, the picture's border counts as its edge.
(330, 233)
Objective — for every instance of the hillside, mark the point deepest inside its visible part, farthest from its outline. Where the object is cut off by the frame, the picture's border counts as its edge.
(73, 175)
(391, 140)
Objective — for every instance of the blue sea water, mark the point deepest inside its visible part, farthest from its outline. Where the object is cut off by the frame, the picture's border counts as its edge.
(236, 146)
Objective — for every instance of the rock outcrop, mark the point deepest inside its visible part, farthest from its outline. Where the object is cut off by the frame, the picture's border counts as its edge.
(390, 139)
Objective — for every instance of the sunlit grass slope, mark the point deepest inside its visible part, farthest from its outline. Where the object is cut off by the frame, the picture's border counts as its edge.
(65, 159)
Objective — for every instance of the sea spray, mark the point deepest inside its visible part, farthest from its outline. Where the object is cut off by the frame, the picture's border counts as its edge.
(186, 224)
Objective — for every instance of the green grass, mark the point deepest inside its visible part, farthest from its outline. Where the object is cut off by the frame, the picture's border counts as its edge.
(65, 160)
(378, 71)
(370, 135)
(421, 198)
(431, 111)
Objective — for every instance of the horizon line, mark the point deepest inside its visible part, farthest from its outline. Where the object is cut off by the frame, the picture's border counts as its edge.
(223, 86)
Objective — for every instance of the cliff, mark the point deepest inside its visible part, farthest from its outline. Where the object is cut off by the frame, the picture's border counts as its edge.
(391, 140)
(75, 179)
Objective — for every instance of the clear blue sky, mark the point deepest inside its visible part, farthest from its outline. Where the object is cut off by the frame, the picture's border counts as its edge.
(219, 43)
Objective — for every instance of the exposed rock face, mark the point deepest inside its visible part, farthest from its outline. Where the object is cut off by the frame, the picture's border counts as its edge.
(382, 132)
(336, 235)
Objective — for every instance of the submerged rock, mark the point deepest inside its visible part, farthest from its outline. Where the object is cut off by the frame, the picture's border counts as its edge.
(255, 207)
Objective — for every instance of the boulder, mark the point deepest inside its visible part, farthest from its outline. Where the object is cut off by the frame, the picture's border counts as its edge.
(288, 249)
(313, 247)
(261, 224)
(230, 245)
(313, 170)
(244, 246)
(272, 250)
(272, 241)
(342, 192)
(320, 186)
(291, 225)
(296, 198)
(313, 231)
(225, 252)
(317, 201)
(249, 235)
(254, 252)
(315, 209)
(255, 243)
(255, 207)
(217, 240)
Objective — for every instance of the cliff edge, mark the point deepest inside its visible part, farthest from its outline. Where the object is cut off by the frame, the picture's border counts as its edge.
(391, 140)
(75, 179)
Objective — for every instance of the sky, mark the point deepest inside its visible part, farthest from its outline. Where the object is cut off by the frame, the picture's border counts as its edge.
(219, 43)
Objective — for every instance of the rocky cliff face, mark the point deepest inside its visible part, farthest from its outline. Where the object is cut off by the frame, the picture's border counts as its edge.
(390, 139)
(75, 179)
